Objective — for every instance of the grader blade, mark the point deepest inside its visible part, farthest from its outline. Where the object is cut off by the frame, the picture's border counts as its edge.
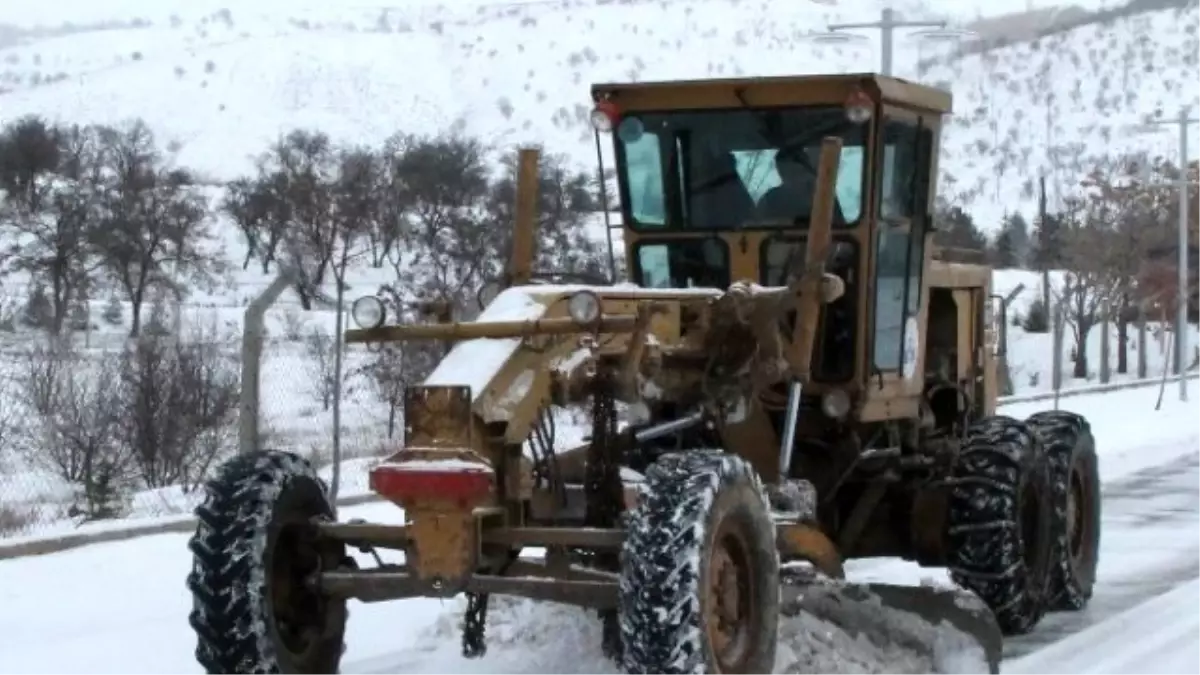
(953, 628)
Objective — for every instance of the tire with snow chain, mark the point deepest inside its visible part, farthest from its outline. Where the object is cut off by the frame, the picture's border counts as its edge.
(1075, 479)
(254, 551)
(699, 579)
(1000, 521)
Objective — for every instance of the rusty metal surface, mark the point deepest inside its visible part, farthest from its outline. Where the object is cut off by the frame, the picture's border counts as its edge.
(445, 543)
(437, 417)
(383, 585)
(520, 265)
(771, 91)
(469, 330)
(800, 541)
(804, 326)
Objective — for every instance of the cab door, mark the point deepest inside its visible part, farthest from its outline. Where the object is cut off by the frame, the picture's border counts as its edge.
(899, 254)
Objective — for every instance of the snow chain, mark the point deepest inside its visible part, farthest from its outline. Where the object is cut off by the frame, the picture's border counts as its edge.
(605, 494)
(474, 642)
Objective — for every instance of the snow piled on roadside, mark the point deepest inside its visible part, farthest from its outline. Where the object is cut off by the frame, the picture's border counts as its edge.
(544, 637)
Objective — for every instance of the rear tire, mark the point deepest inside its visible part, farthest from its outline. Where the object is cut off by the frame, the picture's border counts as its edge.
(1000, 521)
(699, 583)
(1075, 477)
(254, 551)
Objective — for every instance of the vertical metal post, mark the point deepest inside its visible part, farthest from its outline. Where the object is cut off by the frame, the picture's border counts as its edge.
(335, 478)
(1142, 368)
(1056, 373)
(887, 24)
(1105, 345)
(1181, 324)
(1179, 360)
(252, 341)
(788, 443)
(524, 235)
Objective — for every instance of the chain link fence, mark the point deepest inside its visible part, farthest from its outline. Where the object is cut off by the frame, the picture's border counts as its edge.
(100, 428)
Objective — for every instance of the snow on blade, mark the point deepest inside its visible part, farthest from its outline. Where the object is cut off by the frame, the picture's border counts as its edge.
(525, 636)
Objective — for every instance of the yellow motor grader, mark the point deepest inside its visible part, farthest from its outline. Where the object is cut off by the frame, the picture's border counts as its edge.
(793, 377)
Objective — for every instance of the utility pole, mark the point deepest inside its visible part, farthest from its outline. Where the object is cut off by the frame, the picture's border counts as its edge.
(1181, 311)
(887, 25)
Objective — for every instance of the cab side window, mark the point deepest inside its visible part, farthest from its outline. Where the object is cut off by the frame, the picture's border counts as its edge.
(900, 243)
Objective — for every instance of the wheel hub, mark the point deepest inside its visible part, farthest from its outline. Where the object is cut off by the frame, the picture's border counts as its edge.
(729, 615)
(1075, 518)
(297, 606)
(1030, 523)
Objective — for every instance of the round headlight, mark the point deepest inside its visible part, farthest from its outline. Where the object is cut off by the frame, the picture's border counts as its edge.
(835, 404)
(368, 312)
(604, 116)
(600, 120)
(584, 307)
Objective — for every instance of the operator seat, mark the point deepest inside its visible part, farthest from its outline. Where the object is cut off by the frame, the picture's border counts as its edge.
(719, 199)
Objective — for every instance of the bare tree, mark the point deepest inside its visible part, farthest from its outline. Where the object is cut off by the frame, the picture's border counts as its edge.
(1128, 209)
(443, 182)
(320, 349)
(50, 178)
(259, 210)
(1088, 286)
(73, 433)
(156, 224)
(396, 366)
(298, 172)
(179, 399)
(567, 205)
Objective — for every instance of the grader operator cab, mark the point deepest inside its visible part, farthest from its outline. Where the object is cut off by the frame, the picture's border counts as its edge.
(794, 379)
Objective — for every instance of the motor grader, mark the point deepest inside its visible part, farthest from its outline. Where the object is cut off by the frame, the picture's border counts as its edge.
(794, 376)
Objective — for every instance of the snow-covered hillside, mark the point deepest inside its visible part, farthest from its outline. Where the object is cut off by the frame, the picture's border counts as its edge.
(1037, 106)
(218, 83)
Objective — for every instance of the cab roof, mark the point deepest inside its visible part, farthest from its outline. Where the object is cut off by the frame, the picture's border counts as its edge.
(771, 91)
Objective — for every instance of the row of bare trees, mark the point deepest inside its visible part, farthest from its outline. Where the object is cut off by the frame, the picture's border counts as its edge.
(92, 208)
(83, 207)
(432, 211)
(1115, 241)
(154, 414)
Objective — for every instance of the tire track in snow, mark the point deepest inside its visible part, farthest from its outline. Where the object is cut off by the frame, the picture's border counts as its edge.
(1148, 546)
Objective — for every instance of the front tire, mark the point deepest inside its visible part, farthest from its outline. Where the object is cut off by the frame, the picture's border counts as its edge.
(1075, 477)
(255, 552)
(699, 582)
(1000, 521)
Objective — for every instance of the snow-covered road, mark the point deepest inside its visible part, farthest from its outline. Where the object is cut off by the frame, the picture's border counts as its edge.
(1157, 636)
(122, 607)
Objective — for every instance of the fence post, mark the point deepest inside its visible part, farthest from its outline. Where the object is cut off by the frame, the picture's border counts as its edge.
(1003, 372)
(1105, 345)
(1057, 360)
(1141, 348)
(252, 341)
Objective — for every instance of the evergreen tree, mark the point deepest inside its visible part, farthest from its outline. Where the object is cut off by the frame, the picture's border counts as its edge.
(1046, 244)
(1011, 247)
(38, 311)
(1037, 318)
(156, 324)
(114, 311)
(956, 229)
(81, 313)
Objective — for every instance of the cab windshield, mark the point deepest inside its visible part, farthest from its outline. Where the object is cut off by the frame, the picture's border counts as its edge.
(731, 169)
